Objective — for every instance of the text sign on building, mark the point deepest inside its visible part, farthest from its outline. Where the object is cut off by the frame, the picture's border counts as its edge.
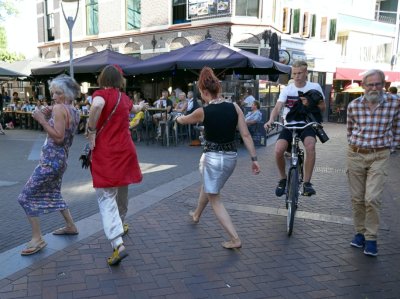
(208, 8)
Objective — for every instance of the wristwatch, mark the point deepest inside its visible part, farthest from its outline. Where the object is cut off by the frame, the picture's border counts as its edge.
(254, 158)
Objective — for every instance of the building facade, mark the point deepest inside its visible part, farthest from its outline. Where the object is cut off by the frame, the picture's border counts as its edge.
(337, 38)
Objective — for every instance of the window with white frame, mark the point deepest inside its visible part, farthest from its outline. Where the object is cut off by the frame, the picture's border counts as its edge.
(179, 11)
(332, 29)
(296, 21)
(49, 19)
(286, 20)
(133, 14)
(324, 28)
(247, 8)
(92, 17)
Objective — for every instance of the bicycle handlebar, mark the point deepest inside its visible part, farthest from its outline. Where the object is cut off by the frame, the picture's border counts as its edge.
(313, 123)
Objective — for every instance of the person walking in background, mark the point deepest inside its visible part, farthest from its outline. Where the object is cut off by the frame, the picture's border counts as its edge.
(42, 192)
(220, 119)
(114, 160)
(373, 126)
(287, 99)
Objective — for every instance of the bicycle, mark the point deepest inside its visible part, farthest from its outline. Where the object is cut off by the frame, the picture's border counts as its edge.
(295, 172)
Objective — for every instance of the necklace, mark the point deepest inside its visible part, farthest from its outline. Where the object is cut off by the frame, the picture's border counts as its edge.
(216, 101)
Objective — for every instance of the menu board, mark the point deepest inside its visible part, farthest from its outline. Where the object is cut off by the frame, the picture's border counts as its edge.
(207, 8)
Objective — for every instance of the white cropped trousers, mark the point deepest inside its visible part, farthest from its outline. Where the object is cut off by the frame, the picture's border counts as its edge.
(108, 207)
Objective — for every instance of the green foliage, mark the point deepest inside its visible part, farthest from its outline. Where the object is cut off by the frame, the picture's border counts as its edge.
(3, 38)
(10, 57)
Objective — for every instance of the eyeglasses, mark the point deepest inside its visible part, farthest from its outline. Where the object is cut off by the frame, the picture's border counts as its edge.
(371, 85)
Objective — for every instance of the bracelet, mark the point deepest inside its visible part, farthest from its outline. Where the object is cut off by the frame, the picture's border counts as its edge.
(254, 159)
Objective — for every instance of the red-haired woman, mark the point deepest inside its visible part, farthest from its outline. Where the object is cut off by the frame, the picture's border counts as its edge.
(220, 119)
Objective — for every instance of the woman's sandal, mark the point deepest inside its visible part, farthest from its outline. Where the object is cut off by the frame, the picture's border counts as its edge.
(33, 248)
(232, 244)
(65, 231)
(117, 256)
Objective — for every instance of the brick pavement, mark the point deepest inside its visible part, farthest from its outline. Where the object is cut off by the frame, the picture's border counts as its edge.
(172, 258)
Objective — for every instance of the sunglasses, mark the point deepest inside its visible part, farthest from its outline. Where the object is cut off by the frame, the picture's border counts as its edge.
(371, 85)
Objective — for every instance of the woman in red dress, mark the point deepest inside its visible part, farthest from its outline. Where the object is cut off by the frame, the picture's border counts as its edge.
(114, 160)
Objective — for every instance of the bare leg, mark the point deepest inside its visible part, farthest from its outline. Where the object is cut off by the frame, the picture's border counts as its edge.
(70, 225)
(226, 222)
(201, 205)
(280, 148)
(36, 232)
(309, 144)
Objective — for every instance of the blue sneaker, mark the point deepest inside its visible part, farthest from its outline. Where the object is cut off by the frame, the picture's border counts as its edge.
(358, 241)
(371, 248)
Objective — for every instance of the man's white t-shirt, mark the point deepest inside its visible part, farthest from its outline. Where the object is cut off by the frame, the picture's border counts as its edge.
(249, 100)
(290, 95)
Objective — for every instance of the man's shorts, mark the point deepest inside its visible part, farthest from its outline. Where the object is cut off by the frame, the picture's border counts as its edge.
(287, 135)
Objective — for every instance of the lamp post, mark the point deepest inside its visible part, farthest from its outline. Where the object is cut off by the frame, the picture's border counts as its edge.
(70, 23)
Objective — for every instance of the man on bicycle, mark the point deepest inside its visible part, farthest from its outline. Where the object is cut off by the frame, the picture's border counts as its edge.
(287, 98)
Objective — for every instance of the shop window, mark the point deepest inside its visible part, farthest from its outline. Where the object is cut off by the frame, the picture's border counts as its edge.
(92, 17)
(179, 9)
(286, 20)
(332, 29)
(247, 8)
(324, 28)
(296, 21)
(133, 14)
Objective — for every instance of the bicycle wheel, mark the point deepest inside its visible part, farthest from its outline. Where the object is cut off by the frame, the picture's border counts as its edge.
(293, 194)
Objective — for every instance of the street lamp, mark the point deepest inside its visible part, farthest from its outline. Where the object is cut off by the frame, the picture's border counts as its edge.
(70, 23)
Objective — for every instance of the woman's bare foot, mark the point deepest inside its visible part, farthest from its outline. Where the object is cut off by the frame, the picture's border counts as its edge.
(232, 244)
(194, 218)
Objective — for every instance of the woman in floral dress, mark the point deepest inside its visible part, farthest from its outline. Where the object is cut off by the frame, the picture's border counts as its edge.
(42, 192)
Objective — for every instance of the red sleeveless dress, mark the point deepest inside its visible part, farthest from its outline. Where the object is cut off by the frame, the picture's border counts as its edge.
(114, 158)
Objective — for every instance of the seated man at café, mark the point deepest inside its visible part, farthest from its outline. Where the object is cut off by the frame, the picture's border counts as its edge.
(162, 102)
(253, 116)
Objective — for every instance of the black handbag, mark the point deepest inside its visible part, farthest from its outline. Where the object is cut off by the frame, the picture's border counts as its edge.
(86, 154)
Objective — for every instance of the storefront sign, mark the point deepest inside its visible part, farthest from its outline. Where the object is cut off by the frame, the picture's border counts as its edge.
(207, 8)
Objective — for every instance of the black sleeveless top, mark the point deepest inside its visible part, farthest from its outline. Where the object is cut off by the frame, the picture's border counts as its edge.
(220, 122)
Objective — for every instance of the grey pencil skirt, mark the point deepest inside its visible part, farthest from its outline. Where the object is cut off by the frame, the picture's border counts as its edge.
(215, 169)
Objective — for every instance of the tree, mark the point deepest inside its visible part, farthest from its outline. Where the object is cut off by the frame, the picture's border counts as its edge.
(7, 8)
(3, 38)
